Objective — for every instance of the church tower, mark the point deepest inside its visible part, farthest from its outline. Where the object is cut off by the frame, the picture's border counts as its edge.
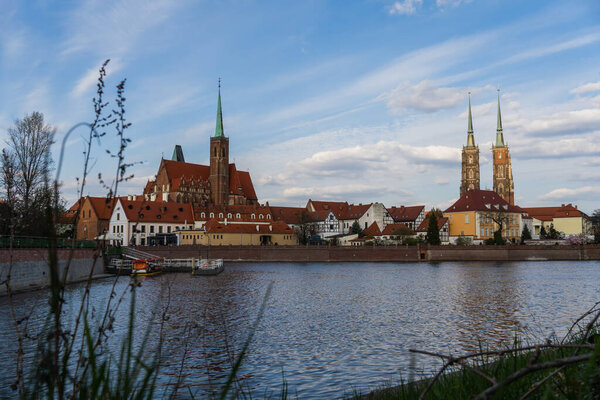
(503, 179)
(470, 160)
(219, 161)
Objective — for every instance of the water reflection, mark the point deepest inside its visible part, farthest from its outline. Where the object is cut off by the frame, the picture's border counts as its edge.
(330, 328)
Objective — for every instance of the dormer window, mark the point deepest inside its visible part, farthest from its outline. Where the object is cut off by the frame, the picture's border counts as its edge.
(229, 215)
(220, 215)
(203, 215)
(212, 215)
(253, 216)
(260, 216)
(269, 216)
(238, 215)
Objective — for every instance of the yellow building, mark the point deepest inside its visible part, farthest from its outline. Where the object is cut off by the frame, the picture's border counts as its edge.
(566, 219)
(218, 234)
(478, 214)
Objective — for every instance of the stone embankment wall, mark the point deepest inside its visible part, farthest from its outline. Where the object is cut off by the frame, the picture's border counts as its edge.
(30, 268)
(390, 253)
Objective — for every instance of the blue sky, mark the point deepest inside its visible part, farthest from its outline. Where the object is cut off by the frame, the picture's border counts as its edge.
(343, 100)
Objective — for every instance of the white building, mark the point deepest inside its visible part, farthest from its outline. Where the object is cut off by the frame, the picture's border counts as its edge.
(133, 221)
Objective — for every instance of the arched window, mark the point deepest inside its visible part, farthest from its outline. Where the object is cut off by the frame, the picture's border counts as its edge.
(260, 216)
(220, 215)
(470, 159)
(268, 216)
(500, 173)
(203, 215)
(470, 174)
(500, 189)
(212, 215)
(499, 156)
(253, 216)
(229, 215)
(238, 215)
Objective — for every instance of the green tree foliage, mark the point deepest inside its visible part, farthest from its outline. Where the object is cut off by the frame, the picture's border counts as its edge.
(402, 232)
(543, 233)
(357, 229)
(526, 234)
(498, 239)
(553, 233)
(433, 232)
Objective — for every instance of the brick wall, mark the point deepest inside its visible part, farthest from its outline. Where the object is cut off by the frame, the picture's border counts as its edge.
(30, 267)
(391, 253)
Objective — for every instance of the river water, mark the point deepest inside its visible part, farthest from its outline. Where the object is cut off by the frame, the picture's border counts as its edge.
(329, 329)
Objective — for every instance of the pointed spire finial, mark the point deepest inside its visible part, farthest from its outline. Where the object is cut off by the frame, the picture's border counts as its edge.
(470, 138)
(499, 134)
(219, 128)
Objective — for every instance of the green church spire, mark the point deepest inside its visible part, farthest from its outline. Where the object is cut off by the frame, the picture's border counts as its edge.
(470, 137)
(219, 129)
(499, 135)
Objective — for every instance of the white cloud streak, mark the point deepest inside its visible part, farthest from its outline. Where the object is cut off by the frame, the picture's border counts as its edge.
(405, 7)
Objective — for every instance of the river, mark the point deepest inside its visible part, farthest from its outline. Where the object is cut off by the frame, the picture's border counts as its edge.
(329, 329)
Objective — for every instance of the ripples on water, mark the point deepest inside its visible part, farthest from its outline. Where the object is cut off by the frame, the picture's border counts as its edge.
(332, 328)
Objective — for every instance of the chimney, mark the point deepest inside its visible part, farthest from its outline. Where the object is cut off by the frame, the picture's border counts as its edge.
(129, 197)
(225, 221)
(134, 197)
(257, 228)
(270, 228)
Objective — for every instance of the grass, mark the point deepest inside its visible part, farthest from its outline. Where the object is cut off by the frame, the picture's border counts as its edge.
(570, 370)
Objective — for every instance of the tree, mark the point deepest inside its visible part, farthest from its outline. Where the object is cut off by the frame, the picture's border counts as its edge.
(26, 167)
(499, 217)
(543, 232)
(306, 228)
(357, 229)
(402, 232)
(553, 233)
(433, 232)
(526, 234)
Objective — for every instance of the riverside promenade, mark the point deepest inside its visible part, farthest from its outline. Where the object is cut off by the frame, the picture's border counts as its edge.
(379, 253)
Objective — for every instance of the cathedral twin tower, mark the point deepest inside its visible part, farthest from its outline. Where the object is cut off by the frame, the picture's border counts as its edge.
(503, 179)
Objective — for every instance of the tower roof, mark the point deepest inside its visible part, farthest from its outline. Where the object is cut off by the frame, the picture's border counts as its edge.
(499, 134)
(219, 128)
(177, 154)
(470, 137)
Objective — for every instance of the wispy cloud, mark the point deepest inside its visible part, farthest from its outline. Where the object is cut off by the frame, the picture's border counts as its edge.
(89, 79)
(586, 88)
(405, 7)
(572, 194)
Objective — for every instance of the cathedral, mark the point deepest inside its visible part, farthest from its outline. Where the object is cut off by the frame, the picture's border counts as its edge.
(502, 169)
(217, 184)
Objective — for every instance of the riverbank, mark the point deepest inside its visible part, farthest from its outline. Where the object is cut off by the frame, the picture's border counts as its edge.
(378, 253)
(30, 270)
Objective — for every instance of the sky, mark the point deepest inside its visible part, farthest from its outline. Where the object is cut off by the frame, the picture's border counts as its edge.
(357, 101)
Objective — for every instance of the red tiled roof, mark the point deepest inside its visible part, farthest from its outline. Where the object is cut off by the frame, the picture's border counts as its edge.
(289, 215)
(391, 228)
(549, 213)
(372, 230)
(103, 207)
(277, 227)
(247, 186)
(425, 224)
(157, 211)
(341, 210)
(177, 169)
(245, 212)
(403, 213)
(482, 200)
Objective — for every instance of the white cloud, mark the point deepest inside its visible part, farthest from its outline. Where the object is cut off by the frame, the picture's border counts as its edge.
(336, 192)
(441, 181)
(571, 147)
(113, 27)
(427, 96)
(450, 3)
(405, 7)
(89, 79)
(572, 195)
(564, 122)
(586, 88)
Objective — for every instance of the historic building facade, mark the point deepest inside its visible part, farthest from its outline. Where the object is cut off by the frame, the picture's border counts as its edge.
(217, 184)
(503, 178)
(470, 160)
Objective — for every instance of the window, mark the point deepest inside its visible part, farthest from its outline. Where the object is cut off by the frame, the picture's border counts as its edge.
(331, 227)
(212, 215)
(253, 216)
(366, 225)
(151, 228)
(260, 216)
(499, 156)
(470, 159)
(229, 215)
(118, 216)
(238, 215)
(466, 218)
(203, 215)
(482, 232)
(160, 229)
(143, 228)
(470, 174)
(168, 229)
(220, 215)
(269, 216)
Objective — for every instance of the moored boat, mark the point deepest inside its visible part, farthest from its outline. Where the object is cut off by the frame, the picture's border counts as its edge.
(148, 267)
(208, 267)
